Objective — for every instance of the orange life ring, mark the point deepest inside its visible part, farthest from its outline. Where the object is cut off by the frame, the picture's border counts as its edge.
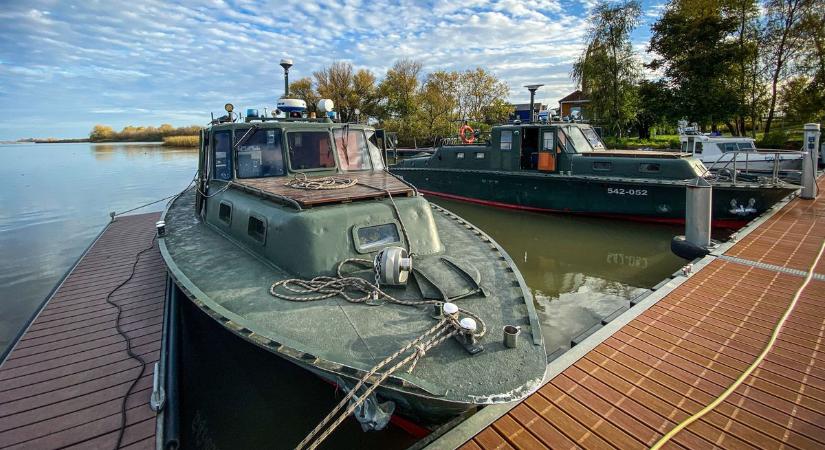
(462, 133)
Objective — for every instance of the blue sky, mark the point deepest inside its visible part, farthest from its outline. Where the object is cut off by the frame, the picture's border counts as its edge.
(68, 65)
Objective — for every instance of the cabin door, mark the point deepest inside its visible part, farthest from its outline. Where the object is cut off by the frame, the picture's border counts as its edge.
(547, 151)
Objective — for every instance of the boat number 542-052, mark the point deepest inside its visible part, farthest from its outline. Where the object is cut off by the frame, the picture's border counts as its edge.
(622, 191)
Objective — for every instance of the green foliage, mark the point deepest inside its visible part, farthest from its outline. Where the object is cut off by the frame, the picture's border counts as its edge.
(105, 133)
(774, 139)
(608, 70)
(655, 142)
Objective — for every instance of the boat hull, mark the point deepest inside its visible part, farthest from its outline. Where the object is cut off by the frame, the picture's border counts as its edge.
(645, 200)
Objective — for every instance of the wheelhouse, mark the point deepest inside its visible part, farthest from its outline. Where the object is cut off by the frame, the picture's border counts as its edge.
(241, 151)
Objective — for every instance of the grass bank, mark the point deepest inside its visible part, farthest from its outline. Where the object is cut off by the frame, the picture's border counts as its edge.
(181, 141)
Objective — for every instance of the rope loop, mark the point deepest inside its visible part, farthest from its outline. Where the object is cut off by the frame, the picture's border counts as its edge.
(301, 181)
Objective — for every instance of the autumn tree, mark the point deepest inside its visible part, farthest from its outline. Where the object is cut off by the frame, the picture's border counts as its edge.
(101, 133)
(785, 31)
(302, 89)
(608, 69)
(438, 104)
(481, 96)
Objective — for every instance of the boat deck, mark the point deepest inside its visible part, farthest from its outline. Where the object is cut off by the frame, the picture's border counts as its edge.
(63, 383)
(632, 384)
(369, 185)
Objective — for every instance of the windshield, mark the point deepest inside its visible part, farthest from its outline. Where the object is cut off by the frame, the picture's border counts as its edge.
(578, 139)
(375, 152)
(592, 137)
(352, 149)
(259, 155)
(310, 150)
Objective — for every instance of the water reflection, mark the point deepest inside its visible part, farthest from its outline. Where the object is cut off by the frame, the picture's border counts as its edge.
(56, 197)
(579, 269)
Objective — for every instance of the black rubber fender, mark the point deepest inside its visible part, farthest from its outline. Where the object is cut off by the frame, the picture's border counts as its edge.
(684, 249)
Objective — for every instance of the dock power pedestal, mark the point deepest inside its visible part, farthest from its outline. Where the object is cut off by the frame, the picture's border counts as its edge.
(809, 163)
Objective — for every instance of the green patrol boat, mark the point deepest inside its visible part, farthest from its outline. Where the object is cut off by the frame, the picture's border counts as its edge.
(297, 239)
(565, 167)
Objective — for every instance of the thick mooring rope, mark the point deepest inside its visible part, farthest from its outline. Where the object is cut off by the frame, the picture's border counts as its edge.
(315, 184)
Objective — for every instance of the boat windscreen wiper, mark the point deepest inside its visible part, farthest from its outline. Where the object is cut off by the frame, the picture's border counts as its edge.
(246, 136)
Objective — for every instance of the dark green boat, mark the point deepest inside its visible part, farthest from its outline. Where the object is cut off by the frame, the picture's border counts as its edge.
(279, 199)
(565, 167)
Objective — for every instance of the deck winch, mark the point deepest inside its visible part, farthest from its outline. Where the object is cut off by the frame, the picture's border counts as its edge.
(392, 266)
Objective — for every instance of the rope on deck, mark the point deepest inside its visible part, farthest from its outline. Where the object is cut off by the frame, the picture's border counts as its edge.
(682, 425)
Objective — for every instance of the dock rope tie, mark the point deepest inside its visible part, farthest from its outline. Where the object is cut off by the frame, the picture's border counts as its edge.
(325, 287)
(301, 181)
(741, 379)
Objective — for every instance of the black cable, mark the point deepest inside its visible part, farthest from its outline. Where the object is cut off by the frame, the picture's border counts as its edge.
(128, 340)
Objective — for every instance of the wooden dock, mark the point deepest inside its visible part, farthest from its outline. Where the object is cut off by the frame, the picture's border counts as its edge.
(65, 380)
(675, 352)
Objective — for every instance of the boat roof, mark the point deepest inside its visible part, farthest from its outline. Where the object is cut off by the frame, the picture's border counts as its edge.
(368, 185)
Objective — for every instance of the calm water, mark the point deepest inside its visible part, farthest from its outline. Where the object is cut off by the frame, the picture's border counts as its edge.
(55, 198)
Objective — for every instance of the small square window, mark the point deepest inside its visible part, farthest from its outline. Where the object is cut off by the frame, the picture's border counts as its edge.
(549, 142)
(479, 155)
(506, 140)
(459, 155)
(256, 229)
(602, 165)
(649, 167)
(225, 213)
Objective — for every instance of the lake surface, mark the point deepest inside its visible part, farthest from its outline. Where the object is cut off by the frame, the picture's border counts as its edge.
(55, 198)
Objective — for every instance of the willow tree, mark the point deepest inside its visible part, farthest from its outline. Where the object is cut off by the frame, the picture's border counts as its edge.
(608, 70)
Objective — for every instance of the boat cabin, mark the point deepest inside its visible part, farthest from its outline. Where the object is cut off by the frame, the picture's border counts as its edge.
(558, 148)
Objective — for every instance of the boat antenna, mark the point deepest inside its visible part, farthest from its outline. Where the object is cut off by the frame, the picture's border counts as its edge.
(532, 88)
(286, 64)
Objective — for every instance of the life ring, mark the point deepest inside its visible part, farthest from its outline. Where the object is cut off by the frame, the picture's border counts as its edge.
(462, 133)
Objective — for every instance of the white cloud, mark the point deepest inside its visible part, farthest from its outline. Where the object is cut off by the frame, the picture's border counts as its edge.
(190, 57)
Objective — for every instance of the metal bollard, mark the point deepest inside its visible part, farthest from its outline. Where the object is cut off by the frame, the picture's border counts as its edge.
(698, 208)
(511, 335)
(810, 146)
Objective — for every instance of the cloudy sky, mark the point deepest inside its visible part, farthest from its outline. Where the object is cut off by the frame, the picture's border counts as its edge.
(68, 65)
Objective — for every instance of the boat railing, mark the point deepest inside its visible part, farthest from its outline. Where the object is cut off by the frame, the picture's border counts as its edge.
(730, 166)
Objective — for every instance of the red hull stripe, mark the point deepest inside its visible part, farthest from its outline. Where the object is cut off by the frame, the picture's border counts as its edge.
(725, 223)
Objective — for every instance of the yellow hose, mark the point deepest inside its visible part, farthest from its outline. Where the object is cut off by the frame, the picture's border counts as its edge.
(679, 427)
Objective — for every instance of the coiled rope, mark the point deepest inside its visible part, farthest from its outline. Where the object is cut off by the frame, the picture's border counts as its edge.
(324, 287)
(682, 425)
(301, 181)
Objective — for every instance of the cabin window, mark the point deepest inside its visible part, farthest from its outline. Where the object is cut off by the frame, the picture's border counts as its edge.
(548, 143)
(256, 228)
(225, 212)
(729, 147)
(310, 150)
(351, 145)
(698, 148)
(259, 154)
(377, 236)
(222, 143)
(602, 166)
(745, 145)
(593, 138)
(649, 167)
(375, 151)
(479, 155)
(459, 155)
(506, 140)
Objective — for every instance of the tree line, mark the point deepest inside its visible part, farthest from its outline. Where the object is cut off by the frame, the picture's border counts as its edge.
(105, 133)
(728, 65)
(420, 107)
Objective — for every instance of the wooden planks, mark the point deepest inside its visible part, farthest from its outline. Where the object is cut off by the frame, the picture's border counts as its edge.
(685, 350)
(370, 185)
(64, 382)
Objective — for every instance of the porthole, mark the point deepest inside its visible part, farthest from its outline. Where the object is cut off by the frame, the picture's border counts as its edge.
(225, 212)
(256, 228)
